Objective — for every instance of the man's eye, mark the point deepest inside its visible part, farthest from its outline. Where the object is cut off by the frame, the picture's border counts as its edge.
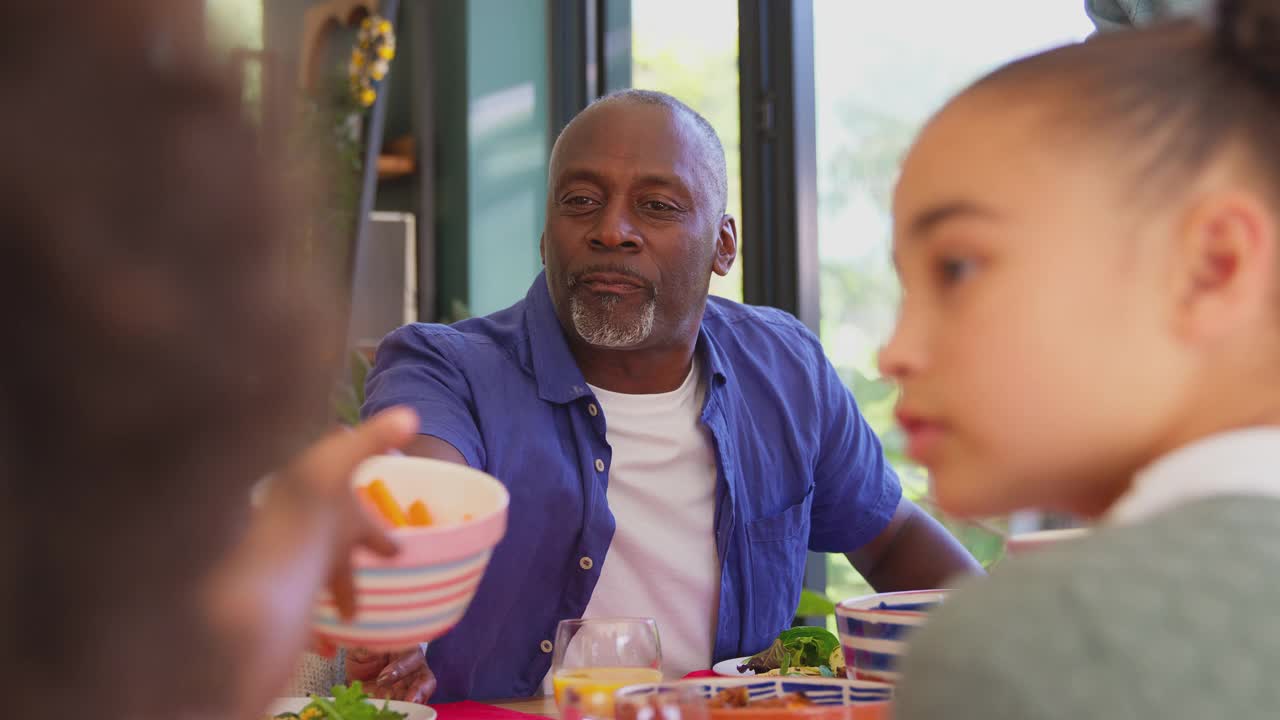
(658, 205)
(578, 201)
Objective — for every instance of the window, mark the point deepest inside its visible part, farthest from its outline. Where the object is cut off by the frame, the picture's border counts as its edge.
(689, 49)
(235, 31)
(881, 69)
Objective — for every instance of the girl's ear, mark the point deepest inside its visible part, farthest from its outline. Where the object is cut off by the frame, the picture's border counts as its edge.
(1224, 266)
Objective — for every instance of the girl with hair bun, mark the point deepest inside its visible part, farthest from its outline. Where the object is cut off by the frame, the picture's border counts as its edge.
(1089, 243)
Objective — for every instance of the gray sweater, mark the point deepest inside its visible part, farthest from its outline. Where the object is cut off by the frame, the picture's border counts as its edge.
(1175, 618)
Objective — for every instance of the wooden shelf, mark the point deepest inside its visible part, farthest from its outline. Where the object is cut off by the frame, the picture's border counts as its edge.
(392, 167)
(398, 159)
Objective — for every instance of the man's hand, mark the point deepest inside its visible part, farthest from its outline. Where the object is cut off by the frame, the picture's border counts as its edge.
(404, 676)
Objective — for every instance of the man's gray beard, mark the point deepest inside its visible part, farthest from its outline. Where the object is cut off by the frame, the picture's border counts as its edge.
(596, 322)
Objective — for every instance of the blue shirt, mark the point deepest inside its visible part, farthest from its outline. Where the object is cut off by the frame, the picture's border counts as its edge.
(798, 469)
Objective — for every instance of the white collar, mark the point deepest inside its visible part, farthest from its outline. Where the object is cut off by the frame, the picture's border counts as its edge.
(1240, 462)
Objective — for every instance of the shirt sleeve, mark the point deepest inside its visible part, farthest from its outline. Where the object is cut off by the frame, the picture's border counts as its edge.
(856, 491)
(945, 664)
(416, 368)
(1029, 639)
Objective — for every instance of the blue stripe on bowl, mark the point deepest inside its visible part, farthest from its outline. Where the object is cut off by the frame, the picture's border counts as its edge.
(391, 624)
(833, 696)
(867, 660)
(419, 569)
(877, 630)
(760, 690)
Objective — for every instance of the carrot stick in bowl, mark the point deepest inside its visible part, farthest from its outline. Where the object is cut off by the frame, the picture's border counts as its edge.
(418, 515)
(386, 504)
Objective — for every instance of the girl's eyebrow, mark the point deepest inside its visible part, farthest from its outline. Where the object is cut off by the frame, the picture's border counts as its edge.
(931, 217)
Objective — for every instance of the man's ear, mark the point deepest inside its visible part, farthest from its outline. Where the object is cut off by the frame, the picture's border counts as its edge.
(726, 246)
(1224, 265)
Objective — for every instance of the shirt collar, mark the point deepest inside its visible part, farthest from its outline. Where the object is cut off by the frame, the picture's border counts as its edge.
(715, 370)
(555, 368)
(1240, 462)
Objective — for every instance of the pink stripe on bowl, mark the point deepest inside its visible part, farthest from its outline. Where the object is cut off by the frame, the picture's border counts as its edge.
(409, 603)
(469, 575)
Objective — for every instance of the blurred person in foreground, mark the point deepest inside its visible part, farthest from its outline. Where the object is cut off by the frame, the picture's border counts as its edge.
(1089, 245)
(161, 356)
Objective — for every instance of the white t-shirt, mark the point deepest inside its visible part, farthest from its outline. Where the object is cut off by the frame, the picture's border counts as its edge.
(662, 485)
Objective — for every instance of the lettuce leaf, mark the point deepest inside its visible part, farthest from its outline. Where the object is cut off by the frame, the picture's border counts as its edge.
(809, 646)
(796, 647)
(350, 702)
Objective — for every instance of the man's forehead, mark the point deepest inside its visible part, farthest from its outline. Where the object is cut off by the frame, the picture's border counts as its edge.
(649, 137)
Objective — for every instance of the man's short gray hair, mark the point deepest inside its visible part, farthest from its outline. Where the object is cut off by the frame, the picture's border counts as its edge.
(710, 150)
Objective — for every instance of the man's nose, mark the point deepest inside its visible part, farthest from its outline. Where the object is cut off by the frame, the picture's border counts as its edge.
(615, 230)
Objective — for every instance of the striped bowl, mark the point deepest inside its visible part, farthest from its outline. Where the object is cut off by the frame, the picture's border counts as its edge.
(832, 698)
(874, 630)
(422, 592)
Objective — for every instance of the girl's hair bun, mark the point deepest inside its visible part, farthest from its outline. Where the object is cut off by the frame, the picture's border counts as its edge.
(1248, 34)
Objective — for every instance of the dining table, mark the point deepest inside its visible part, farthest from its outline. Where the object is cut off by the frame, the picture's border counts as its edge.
(543, 706)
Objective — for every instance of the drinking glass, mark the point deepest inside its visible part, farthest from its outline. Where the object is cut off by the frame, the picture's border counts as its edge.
(675, 701)
(598, 656)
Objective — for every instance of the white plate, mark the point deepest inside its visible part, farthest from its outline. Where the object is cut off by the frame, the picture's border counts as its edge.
(729, 668)
(412, 711)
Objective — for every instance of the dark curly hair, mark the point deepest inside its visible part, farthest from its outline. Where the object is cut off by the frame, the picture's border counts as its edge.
(161, 350)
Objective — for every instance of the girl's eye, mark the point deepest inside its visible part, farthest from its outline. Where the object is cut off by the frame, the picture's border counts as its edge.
(954, 270)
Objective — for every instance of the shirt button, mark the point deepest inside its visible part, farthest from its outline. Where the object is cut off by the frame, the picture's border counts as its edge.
(546, 646)
(599, 465)
(586, 563)
(593, 410)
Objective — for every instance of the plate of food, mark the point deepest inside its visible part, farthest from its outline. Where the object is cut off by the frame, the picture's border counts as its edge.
(729, 668)
(346, 703)
(799, 651)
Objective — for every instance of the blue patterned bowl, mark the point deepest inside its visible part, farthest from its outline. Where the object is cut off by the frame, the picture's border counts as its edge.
(874, 630)
(831, 698)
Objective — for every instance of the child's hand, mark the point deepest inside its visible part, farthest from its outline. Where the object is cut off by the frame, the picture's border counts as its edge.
(300, 538)
(319, 482)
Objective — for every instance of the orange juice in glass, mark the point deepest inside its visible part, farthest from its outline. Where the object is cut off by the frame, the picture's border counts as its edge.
(597, 657)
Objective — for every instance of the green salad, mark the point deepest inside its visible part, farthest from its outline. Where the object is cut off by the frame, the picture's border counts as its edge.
(349, 702)
(811, 651)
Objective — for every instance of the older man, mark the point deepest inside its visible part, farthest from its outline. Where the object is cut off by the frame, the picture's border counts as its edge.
(668, 454)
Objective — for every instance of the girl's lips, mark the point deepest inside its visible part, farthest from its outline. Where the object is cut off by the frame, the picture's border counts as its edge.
(923, 436)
